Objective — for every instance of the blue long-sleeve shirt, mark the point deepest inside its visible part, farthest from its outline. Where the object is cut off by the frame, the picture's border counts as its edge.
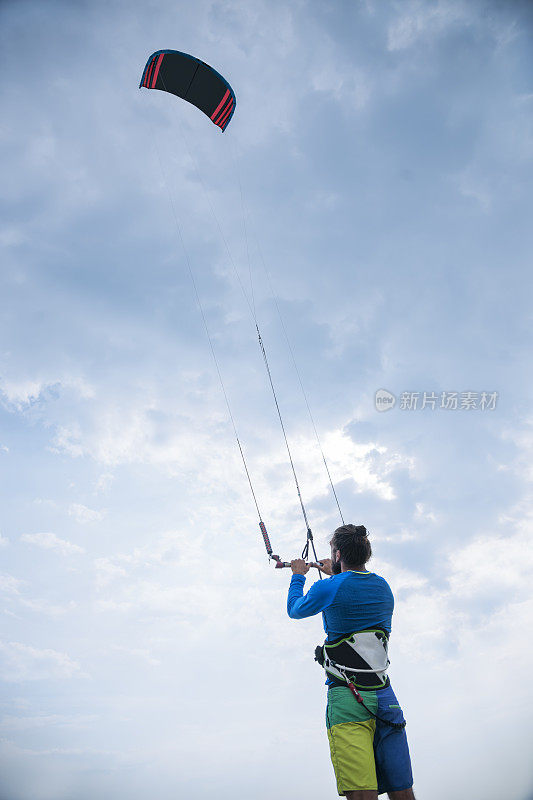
(350, 601)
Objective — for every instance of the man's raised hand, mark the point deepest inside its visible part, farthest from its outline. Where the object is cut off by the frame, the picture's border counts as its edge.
(299, 567)
(324, 565)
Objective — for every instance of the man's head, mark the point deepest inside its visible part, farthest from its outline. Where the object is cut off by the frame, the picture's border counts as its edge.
(350, 545)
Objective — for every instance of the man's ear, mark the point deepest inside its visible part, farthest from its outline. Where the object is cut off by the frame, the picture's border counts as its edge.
(337, 555)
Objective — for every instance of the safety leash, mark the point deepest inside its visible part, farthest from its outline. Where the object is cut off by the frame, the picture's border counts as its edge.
(396, 725)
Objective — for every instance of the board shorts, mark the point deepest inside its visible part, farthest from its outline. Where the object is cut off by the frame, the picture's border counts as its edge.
(367, 754)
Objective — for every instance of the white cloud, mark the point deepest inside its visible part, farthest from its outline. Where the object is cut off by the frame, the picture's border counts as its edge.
(173, 550)
(349, 86)
(120, 437)
(10, 585)
(12, 236)
(42, 606)
(496, 564)
(49, 541)
(475, 184)
(402, 579)
(424, 513)
(418, 20)
(368, 464)
(107, 571)
(104, 482)
(84, 515)
(21, 662)
(141, 653)
(19, 393)
(12, 723)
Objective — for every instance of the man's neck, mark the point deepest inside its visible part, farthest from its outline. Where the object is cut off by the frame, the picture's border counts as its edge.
(349, 568)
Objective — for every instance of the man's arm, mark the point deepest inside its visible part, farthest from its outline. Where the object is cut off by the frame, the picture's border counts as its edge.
(320, 596)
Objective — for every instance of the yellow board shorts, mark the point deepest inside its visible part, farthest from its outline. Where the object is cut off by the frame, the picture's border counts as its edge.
(367, 754)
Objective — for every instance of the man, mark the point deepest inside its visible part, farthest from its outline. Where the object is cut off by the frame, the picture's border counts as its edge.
(364, 721)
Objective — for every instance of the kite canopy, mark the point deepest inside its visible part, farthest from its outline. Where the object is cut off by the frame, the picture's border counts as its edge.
(192, 80)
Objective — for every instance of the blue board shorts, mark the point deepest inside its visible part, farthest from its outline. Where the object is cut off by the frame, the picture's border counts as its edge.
(367, 754)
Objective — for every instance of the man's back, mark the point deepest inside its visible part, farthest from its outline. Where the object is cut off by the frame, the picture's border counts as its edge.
(350, 601)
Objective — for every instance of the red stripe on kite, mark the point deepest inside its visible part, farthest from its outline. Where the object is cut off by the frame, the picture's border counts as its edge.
(149, 69)
(223, 112)
(159, 60)
(152, 72)
(226, 114)
(225, 118)
(217, 109)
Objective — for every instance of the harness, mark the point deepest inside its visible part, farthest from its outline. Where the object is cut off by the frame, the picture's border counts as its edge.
(359, 661)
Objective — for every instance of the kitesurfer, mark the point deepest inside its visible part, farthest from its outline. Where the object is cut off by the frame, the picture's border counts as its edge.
(365, 723)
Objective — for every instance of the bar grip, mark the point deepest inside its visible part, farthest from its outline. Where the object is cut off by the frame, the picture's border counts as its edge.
(265, 537)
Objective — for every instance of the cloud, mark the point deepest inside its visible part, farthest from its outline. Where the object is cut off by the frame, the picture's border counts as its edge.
(137, 652)
(10, 585)
(497, 564)
(107, 571)
(21, 394)
(349, 86)
(18, 394)
(104, 482)
(21, 662)
(84, 515)
(418, 21)
(10, 723)
(424, 513)
(49, 541)
(43, 606)
(475, 186)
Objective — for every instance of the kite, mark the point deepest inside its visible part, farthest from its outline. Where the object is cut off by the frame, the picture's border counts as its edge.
(193, 80)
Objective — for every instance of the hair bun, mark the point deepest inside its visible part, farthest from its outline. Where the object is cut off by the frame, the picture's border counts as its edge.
(353, 544)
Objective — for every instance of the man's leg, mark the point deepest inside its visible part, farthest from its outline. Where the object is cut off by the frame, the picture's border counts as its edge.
(403, 794)
(393, 763)
(351, 730)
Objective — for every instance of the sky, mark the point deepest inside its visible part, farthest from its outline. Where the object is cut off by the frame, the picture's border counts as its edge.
(371, 201)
